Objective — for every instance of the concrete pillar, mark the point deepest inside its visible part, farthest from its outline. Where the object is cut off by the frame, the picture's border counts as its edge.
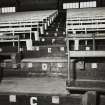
(76, 44)
(50, 20)
(41, 30)
(94, 42)
(45, 24)
(72, 69)
(85, 31)
(48, 23)
(30, 35)
(36, 35)
(86, 42)
(41, 27)
(29, 44)
(13, 39)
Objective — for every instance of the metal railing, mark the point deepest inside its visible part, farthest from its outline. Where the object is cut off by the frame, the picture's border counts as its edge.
(88, 48)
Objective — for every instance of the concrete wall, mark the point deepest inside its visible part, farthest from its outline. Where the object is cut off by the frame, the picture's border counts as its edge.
(49, 68)
(90, 70)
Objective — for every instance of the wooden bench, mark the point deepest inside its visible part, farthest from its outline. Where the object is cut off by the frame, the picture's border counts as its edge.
(26, 24)
(85, 20)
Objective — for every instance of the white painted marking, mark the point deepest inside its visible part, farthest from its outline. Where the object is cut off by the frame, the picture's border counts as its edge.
(32, 99)
(44, 66)
(49, 50)
(29, 65)
(12, 98)
(94, 65)
(62, 48)
(55, 99)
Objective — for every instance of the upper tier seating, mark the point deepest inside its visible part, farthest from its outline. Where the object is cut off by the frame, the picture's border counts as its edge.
(85, 30)
(37, 21)
(85, 20)
(27, 25)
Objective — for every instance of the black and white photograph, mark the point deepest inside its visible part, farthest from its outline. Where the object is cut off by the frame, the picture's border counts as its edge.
(52, 52)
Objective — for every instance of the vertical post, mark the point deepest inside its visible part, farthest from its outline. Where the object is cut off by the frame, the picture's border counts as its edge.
(76, 44)
(29, 44)
(30, 34)
(48, 22)
(86, 42)
(45, 24)
(94, 42)
(31, 23)
(36, 33)
(1, 70)
(70, 64)
(66, 29)
(18, 44)
(85, 45)
(41, 28)
(68, 59)
(85, 31)
(13, 39)
(72, 70)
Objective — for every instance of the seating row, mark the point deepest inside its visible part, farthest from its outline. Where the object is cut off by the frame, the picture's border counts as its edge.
(85, 20)
(26, 22)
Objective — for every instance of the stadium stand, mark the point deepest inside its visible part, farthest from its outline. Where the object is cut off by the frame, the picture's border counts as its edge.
(39, 36)
(86, 53)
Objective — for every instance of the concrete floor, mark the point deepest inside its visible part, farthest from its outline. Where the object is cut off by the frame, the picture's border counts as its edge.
(43, 85)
